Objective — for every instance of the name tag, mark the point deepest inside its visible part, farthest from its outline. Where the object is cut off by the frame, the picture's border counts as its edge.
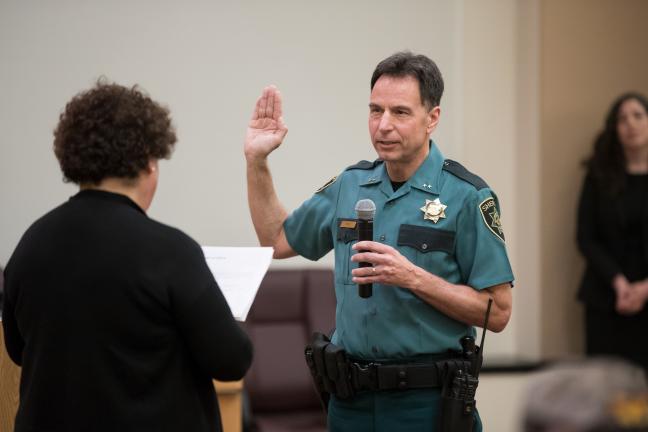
(348, 224)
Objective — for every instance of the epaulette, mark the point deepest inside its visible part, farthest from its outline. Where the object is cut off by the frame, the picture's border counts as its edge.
(458, 170)
(365, 165)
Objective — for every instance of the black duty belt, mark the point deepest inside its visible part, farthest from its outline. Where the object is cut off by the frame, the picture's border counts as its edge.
(376, 376)
(455, 374)
(336, 373)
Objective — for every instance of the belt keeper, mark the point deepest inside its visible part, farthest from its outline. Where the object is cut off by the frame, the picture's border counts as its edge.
(402, 379)
(365, 377)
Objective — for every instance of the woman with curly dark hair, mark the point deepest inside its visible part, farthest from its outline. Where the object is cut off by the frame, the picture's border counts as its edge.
(613, 234)
(115, 318)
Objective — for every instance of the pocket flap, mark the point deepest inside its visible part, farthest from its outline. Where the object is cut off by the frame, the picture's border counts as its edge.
(346, 230)
(426, 239)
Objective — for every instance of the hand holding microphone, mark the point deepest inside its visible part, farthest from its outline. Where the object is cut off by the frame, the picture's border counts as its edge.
(393, 268)
(365, 210)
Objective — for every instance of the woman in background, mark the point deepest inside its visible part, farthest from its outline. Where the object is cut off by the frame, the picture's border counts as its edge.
(115, 318)
(613, 234)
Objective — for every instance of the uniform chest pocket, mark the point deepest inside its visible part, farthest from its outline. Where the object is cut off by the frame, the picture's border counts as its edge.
(426, 239)
(347, 231)
(347, 234)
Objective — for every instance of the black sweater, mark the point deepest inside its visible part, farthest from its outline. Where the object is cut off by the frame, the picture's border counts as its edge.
(117, 322)
(613, 238)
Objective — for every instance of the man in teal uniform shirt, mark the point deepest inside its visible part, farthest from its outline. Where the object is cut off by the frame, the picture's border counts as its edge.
(438, 254)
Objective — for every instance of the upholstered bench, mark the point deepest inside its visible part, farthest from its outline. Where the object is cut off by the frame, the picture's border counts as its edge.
(290, 306)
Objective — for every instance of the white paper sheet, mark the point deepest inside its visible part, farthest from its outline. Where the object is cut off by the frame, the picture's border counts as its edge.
(239, 272)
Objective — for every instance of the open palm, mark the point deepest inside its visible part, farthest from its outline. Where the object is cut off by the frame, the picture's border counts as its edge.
(266, 129)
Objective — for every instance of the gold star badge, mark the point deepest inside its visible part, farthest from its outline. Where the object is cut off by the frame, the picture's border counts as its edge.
(433, 210)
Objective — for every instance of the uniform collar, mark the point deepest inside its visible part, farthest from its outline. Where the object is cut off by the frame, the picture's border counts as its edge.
(426, 177)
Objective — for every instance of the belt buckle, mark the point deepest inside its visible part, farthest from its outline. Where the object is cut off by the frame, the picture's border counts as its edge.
(365, 377)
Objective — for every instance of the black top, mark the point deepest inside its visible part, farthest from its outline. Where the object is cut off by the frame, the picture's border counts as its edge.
(634, 202)
(613, 237)
(117, 322)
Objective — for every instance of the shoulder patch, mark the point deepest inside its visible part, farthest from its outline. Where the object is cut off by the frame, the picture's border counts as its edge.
(491, 217)
(458, 170)
(365, 165)
(327, 184)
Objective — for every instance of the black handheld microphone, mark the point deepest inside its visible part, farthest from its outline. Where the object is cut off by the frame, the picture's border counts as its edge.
(365, 209)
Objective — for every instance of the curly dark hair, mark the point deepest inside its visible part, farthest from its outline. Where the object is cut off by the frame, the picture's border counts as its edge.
(418, 66)
(111, 131)
(607, 163)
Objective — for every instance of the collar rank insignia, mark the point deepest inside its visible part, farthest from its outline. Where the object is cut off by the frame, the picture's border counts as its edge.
(433, 210)
(491, 217)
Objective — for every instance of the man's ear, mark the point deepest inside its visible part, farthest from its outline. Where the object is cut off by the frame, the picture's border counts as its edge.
(433, 119)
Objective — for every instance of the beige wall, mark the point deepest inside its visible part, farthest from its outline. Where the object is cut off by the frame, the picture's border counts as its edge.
(489, 126)
(528, 82)
(528, 292)
(208, 61)
(204, 60)
(538, 78)
(591, 51)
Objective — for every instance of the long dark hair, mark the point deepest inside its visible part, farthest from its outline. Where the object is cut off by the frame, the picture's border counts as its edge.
(607, 164)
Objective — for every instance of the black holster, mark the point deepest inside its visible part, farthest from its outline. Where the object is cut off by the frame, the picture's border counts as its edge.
(314, 353)
(329, 368)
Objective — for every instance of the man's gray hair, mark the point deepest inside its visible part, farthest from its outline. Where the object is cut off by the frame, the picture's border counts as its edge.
(586, 396)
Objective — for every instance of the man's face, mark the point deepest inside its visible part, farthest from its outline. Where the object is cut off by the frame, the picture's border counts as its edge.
(399, 123)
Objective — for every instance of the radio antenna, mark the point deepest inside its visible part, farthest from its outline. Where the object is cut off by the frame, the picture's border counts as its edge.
(481, 345)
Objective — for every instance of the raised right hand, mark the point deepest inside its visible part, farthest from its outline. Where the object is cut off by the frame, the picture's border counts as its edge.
(266, 129)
